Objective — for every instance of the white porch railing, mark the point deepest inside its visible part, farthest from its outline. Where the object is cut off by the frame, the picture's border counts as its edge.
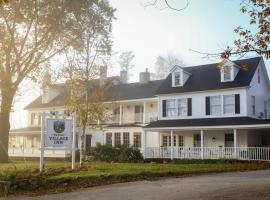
(240, 153)
(35, 152)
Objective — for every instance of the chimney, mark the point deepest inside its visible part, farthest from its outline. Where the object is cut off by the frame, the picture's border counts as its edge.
(103, 74)
(123, 76)
(45, 87)
(144, 77)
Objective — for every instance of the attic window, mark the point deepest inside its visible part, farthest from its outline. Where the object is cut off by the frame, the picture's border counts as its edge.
(227, 73)
(177, 79)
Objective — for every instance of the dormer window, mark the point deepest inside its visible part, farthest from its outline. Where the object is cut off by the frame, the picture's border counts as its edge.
(177, 79)
(227, 73)
(179, 76)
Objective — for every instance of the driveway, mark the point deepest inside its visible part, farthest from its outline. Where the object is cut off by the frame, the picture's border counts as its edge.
(237, 185)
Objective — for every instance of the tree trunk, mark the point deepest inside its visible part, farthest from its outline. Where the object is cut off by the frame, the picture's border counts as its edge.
(82, 144)
(7, 95)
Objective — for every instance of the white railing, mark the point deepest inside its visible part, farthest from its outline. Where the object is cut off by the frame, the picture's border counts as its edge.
(240, 153)
(35, 152)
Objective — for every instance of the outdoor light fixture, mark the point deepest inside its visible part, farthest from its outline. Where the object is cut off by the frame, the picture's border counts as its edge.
(214, 139)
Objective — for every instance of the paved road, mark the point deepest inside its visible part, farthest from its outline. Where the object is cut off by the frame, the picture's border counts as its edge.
(229, 186)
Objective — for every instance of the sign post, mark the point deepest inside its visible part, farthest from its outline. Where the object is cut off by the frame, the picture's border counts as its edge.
(58, 133)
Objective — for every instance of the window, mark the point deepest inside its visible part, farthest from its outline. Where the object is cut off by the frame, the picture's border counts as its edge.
(139, 113)
(174, 140)
(197, 140)
(259, 76)
(164, 141)
(126, 138)
(215, 106)
(181, 141)
(171, 108)
(253, 101)
(229, 104)
(182, 107)
(229, 140)
(35, 119)
(117, 139)
(109, 139)
(177, 79)
(137, 140)
(265, 109)
(227, 73)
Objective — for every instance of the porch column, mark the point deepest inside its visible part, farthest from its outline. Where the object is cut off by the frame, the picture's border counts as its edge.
(171, 145)
(144, 112)
(202, 150)
(112, 139)
(235, 142)
(121, 114)
(144, 144)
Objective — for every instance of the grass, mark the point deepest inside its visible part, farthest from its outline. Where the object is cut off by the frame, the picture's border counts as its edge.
(24, 176)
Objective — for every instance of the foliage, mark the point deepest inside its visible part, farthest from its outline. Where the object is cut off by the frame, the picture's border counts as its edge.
(163, 65)
(31, 34)
(58, 176)
(121, 153)
(125, 61)
(253, 41)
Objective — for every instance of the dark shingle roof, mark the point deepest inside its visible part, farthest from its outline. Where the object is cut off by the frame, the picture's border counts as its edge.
(207, 77)
(200, 122)
(116, 92)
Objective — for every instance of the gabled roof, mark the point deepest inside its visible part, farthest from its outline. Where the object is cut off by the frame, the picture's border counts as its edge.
(118, 92)
(207, 77)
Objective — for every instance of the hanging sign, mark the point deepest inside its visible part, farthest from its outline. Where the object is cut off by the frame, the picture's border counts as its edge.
(59, 133)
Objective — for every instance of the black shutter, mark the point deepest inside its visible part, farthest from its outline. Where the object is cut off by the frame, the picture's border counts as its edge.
(164, 114)
(207, 105)
(237, 104)
(189, 101)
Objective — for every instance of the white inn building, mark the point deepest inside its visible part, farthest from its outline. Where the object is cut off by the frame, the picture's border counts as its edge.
(201, 112)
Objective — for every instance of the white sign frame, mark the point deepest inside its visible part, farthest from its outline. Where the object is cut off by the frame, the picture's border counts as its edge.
(43, 146)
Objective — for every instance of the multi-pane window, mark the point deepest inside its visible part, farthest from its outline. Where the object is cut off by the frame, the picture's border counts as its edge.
(138, 113)
(117, 138)
(229, 140)
(174, 140)
(164, 140)
(181, 141)
(35, 119)
(109, 139)
(253, 103)
(177, 79)
(137, 140)
(171, 108)
(182, 107)
(197, 140)
(126, 138)
(227, 72)
(176, 107)
(265, 109)
(215, 105)
(229, 104)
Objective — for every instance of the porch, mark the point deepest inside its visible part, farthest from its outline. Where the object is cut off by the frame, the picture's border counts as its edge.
(222, 141)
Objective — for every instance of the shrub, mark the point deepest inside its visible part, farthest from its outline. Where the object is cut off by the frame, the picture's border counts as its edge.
(120, 153)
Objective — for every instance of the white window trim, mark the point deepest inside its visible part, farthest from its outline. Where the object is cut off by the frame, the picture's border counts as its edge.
(176, 108)
(223, 75)
(181, 78)
(220, 104)
(223, 106)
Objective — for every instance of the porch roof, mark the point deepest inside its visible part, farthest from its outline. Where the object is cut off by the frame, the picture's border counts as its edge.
(210, 123)
(36, 129)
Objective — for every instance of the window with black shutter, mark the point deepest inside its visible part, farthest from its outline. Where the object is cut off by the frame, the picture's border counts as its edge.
(164, 114)
(189, 106)
(237, 104)
(207, 105)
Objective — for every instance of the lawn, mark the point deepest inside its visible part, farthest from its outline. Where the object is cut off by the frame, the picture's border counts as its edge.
(21, 177)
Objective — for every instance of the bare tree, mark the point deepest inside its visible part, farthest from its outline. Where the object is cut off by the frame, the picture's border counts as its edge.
(163, 65)
(84, 67)
(32, 33)
(168, 5)
(125, 61)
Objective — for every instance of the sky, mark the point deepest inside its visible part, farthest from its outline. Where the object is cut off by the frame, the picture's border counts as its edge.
(149, 32)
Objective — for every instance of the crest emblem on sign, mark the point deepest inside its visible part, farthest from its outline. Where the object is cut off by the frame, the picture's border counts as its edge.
(59, 126)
